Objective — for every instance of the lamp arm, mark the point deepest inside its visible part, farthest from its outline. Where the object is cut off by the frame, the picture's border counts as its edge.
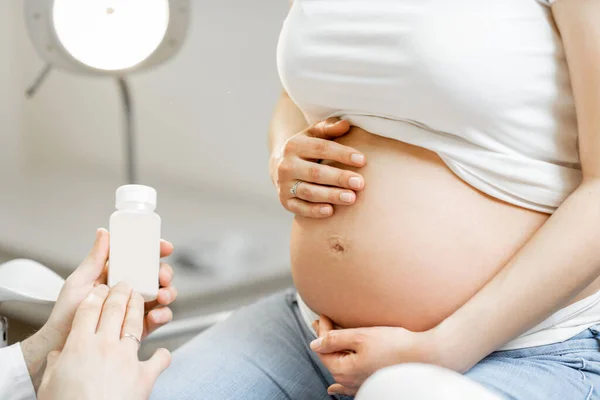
(41, 77)
(129, 132)
(129, 126)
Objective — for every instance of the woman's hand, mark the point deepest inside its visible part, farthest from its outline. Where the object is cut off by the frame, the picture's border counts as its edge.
(318, 187)
(353, 355)
(100, 359)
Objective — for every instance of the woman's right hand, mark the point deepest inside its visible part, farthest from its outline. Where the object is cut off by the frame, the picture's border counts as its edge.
(318, 187)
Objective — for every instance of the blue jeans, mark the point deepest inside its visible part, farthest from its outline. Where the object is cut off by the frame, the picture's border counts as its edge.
(261, 353)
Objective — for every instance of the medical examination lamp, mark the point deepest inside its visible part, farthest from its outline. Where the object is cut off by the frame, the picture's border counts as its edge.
(107, 38)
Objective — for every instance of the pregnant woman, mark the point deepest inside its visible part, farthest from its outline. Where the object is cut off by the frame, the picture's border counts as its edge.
(442, 159)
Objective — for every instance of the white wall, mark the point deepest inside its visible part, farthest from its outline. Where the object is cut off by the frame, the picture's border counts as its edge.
(202, 118)
(11, 98)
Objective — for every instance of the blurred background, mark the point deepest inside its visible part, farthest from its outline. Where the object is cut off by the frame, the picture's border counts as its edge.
(201, 129)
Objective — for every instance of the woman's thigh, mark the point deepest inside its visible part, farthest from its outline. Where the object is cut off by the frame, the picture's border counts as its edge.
(260, 352)
(564, 371)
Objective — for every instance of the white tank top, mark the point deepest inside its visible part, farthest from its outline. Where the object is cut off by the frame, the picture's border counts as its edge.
(482, 83)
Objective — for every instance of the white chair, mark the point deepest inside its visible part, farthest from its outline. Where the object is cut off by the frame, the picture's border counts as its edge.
(28, 290)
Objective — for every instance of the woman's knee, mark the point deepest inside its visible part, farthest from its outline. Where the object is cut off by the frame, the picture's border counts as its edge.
(422, 382)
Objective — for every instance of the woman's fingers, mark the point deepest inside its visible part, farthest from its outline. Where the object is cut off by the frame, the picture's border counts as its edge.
(320, 174)
(330, 128)
(324, 194)
(89, 311)
(320, 149)
(113, 312)
(325, 326)
(338, 389)
(315, 326)
(295, 164)
(134, 321)
(309, 210)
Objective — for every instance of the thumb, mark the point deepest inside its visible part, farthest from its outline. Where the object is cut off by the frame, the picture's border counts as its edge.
(91, 268)
(325, 325)
(156, 365)
(336, 341)
(331, 128)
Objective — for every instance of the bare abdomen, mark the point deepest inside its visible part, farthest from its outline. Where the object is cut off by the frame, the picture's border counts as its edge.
(418, 243)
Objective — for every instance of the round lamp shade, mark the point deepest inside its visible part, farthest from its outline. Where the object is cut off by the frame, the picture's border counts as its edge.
(107, 37)
(110, 34)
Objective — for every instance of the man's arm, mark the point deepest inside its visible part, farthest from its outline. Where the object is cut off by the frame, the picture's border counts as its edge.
(35, 350)
(15, 381)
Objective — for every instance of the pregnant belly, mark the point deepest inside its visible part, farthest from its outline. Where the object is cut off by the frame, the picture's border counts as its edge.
(416, 245)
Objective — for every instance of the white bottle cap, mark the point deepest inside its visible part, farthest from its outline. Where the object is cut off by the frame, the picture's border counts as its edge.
(135, 194)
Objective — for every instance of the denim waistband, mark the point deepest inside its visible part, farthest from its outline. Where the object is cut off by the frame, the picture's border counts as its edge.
(588, 340)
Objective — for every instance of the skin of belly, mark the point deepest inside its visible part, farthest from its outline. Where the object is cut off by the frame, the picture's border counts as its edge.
(417, 244)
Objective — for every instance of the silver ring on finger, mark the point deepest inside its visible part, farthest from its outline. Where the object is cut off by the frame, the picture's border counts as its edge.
(294, 189)
(130, 336)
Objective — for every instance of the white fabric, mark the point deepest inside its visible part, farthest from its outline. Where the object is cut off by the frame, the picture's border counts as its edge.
(483, 83)
(15, 382)
(422, 382)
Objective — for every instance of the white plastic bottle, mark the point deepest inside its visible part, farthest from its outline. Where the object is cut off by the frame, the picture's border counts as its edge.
(135, 240)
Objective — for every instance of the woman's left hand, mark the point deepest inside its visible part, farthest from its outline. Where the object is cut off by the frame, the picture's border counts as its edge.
(353, 355)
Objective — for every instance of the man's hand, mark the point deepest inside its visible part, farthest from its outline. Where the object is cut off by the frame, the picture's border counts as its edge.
(92, 272)
(100, 359)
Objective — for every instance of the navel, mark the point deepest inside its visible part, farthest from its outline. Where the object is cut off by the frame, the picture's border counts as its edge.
(338, 244)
